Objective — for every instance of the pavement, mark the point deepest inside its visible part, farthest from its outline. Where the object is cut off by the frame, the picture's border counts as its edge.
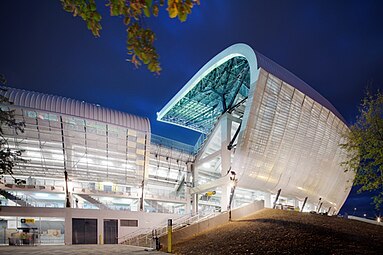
(114, 249)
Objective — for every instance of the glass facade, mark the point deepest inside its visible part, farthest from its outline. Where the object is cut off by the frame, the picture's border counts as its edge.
(32, 230)
(88, 150)
(107, 165)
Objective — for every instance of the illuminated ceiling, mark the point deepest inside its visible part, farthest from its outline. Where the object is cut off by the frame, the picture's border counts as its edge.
(219, 91)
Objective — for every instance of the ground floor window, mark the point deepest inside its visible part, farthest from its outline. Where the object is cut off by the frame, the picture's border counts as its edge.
(31, 230)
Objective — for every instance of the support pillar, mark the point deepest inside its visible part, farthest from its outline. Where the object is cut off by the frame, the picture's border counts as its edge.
(276, 199)
(194, 171)
(68, 226)
(320, 206)
(304, 203)
(189, 171)
(225, 159)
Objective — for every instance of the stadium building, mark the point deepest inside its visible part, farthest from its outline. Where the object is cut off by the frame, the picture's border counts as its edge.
(97, 175)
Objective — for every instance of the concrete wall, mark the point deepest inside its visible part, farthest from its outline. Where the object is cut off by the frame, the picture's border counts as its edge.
(195, 229)
(145, 220)
(365, 220)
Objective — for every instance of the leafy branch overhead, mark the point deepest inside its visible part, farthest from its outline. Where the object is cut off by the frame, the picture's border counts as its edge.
(140, 42)
(364, 146)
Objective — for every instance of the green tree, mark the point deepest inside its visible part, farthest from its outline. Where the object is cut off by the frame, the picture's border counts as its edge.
(364, 145)
(140, 41)
(8, 157)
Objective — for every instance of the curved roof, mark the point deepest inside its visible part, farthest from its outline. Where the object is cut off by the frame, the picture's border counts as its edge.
(217, 92)
(256, 61)
(67, 106)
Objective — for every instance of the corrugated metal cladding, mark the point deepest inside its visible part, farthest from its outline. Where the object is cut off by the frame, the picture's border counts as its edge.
(290, 78)
(67, 106)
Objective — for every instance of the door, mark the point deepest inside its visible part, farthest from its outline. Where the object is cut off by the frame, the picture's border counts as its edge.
(84, 231)
(110, 231)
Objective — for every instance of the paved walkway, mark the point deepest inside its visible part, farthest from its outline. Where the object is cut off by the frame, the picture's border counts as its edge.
(75, 249)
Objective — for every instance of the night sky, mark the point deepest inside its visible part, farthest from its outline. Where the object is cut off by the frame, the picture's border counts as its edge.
(334, 46)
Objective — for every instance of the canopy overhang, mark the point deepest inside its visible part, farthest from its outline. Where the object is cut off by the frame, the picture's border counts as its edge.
(219, 85)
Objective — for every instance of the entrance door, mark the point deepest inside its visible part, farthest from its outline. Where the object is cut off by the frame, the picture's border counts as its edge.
(84, 231)
(110, 231)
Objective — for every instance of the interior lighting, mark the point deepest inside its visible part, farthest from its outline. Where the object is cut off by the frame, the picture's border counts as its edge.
(41, 195)
(33, 154)
(86, 160)
(262, 177)
(70, 186)
(206, 165)
(107, 183)
(57, 157)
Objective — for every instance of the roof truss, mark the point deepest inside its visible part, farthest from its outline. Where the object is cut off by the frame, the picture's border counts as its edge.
(214, 94)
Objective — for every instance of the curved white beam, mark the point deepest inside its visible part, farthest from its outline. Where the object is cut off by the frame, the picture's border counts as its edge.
(236, 50)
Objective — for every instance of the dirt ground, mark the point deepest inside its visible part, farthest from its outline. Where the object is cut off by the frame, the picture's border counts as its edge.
(286, 232)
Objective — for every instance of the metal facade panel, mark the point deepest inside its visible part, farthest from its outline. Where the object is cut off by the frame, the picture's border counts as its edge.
(289, 143)
(273, 68)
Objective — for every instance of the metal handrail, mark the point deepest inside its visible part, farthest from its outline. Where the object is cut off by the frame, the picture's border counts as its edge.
(143, 237)
(139, 231)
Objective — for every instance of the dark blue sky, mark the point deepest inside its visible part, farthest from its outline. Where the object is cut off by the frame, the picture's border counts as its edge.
(334, 46)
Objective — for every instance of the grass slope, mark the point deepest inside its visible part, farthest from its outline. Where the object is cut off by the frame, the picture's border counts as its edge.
(286, 232)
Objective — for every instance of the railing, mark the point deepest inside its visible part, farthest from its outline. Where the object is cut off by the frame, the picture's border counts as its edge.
(21, 199)
(375, 222)
(163, 194)
(144, 237)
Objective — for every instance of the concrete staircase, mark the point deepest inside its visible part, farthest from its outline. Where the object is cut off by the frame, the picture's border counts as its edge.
(14, 198)
(93, 201)
(156, 205)
(144, 237)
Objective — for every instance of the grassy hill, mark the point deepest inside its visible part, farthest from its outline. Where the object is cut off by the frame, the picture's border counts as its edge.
(286, 232)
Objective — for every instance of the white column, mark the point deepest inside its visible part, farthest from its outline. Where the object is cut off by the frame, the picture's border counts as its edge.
(189, 166)
(225, 158)
(194, 171)
(267, 200)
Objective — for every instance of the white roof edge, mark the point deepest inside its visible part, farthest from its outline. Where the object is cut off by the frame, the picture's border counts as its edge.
(72, 107)
(239, 49)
